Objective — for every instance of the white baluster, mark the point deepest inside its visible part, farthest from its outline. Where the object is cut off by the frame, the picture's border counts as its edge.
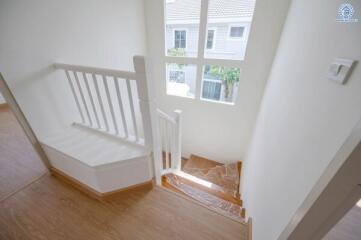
(100, 102)
(121, 107)
(91, 99)
(105, 82)
(75, 96)
(130, 96)
(83, 98)
(157, 148)
(166, 141)
(177, 159)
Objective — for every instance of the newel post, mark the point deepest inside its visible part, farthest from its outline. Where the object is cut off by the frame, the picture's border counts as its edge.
(178, 140)
(144, 102)
(149, 118)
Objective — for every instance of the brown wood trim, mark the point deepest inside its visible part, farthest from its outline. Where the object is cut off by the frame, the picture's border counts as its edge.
(90, 191)
(243, 213)
(249, 223)
(4, 105)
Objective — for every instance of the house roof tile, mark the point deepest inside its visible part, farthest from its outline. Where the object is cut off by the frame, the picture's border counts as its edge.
(190, 9)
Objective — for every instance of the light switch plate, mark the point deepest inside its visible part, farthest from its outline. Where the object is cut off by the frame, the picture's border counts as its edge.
(340, 70)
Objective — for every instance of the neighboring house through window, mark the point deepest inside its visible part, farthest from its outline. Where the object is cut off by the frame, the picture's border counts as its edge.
(177, 76)
(180, 39)
(203, 56)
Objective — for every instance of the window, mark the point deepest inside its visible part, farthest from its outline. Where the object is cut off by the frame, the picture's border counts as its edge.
(182, 18)
(181, 79)
(180, 39)
(236, 32)
(220, 83)
(177, 76)
(221, 36)
(210, 38)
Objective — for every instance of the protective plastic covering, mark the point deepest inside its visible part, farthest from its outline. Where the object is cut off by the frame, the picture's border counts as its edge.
(226, 176)
(211, 201)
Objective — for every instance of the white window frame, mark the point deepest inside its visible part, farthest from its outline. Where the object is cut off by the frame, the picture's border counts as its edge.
(180, 29)
(200, 60)
(214, 38)
(236, 38)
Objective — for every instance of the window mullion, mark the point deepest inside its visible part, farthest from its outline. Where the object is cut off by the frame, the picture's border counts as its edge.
(201, 46)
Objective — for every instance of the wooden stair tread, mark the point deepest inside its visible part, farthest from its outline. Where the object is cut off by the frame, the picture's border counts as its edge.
(181, 185)
(197, 163)
(226, 176)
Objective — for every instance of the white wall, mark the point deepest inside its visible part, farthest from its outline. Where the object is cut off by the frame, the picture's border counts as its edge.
(2, 99)
(212, 130)
(35, 34)
(304, 118)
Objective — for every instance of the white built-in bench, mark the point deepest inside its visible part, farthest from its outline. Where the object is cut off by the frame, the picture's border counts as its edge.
(102, 162)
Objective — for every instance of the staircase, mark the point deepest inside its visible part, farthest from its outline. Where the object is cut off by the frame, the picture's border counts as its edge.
(210, 183)
(225, 175)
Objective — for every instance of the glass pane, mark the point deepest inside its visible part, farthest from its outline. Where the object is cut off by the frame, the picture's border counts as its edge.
(236, 32)
(182, 27)
(231, 21)
(181, 79)
(210, 39)
(220, 83)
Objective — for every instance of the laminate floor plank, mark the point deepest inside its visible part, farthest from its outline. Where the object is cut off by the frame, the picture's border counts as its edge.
(19, 163)
(51, 209)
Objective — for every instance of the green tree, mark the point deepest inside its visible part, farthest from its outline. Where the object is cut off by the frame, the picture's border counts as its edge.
(177, 52)
(229, 77)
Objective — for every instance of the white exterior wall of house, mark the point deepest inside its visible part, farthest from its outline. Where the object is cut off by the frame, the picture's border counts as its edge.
(304, 118)
(192, 37)
(85, 32)
(224, 46)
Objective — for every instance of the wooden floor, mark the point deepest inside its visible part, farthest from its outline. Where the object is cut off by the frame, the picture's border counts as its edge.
(349, 227)
(51, 209)
(19, 163)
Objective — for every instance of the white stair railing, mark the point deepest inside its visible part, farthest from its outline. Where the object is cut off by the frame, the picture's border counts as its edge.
(106, 100)
(168, 131)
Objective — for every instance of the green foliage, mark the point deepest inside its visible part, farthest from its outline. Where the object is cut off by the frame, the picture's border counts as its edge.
(176, 52)
(229, 77)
